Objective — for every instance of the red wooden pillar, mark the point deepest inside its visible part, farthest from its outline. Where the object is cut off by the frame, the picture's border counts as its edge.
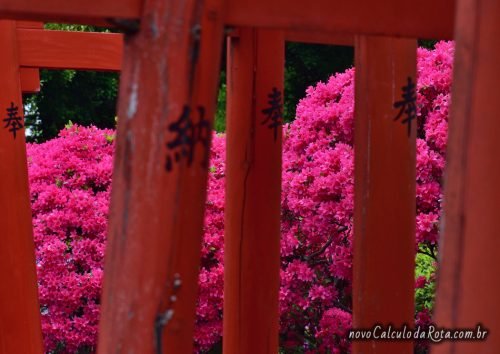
(20, 329)
(469, 281)
(384, 239)
(167, 101)
(253, 188)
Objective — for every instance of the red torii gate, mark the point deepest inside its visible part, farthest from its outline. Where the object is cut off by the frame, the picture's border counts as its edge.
(155, 235)
(30, 48)
(56, 49)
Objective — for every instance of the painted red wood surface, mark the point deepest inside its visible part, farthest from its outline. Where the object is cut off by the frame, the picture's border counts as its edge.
(30, 77)
(70, 50)
(156, 216)
(468, 274)
(253, 192)
(30, 80)
(72, 11)
(319, 38)
(20, 329)
(420, 19)
(384, 217)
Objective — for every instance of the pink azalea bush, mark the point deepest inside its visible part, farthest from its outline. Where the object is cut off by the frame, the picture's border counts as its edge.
(317, 201)
(70, 182)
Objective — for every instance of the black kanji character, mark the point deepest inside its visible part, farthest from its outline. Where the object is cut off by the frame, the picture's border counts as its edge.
(408, 104)
(13, 121)
(188, 135)
(274, 112)
(204, 131)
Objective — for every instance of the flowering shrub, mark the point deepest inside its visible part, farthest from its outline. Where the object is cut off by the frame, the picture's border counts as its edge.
(70, 181)
(317, 202)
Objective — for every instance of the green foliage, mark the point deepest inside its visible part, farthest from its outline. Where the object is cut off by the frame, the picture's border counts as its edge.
(425, 266)
(75, 28)
(427, 43)
(220, 113)
(307, 64)
(83, 97)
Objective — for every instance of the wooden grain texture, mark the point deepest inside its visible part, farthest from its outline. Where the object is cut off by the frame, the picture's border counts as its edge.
(71, 11)
(384, 207)
(20, 328)
(253, 193)
(468, 271)
(418, 19)
(156, 216)
(70, 50)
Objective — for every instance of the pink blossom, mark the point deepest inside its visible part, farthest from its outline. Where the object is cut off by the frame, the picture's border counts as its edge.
(70, 181)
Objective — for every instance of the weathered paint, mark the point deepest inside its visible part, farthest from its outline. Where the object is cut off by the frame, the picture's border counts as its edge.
(156, 216)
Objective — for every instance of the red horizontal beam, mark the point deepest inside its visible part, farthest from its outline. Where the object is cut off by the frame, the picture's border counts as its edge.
(309, 37)
(70, 50)
(319, 38)
(418, 19)
(72, 11)
(29, 24)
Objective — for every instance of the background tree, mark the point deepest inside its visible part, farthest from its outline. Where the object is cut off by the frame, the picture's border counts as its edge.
(84, 97)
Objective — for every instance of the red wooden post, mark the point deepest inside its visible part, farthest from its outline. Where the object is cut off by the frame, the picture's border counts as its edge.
(384, 239)
(20, 329)
(168, 85)
(468, 275)
(253, 189)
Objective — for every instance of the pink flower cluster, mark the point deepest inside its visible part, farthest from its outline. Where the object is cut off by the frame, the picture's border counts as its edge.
(318, 191)
(70, 181)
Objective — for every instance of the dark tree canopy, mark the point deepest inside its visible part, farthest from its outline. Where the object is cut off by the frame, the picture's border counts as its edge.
(83, 97)
(306, 64)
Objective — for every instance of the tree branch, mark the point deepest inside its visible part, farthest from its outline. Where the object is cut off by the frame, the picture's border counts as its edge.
(325, 246)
